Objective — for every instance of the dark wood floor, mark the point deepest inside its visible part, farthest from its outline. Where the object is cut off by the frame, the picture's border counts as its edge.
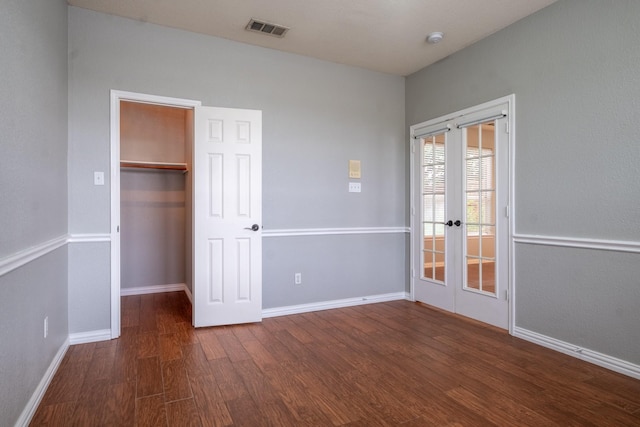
(395, 363)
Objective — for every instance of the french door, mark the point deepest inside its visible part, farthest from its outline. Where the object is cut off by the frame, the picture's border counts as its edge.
(460, 205)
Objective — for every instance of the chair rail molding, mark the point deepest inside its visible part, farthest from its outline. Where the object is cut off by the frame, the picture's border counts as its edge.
(18, 259)
(89, 238)
(292, 232)
(579, 242)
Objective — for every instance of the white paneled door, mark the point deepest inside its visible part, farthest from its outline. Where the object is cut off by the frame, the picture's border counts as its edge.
(227, 216)
(460, 211)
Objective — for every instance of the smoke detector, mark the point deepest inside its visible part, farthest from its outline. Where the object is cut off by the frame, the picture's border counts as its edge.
(435, 37)
(263, 27)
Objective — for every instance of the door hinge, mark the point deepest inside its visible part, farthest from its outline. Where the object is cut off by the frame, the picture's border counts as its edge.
(117, 229)
(413, 210)
(413, 272)
(506, 127)
(506, 294)
(413, 146)
(506, 211)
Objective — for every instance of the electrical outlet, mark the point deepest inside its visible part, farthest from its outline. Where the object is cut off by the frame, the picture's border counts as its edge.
(297, 278)
(355, 187)
(46, 326)
(98, 178)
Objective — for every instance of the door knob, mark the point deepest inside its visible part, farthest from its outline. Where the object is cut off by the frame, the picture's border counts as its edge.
(449, 223)
(254, 227)
(457, 223)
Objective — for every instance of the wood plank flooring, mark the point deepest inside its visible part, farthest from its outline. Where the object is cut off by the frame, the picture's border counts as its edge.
(388, 364)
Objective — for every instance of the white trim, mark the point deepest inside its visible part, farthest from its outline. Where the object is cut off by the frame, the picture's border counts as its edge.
(89, 238)
(326, 305)
(577, 242)
(90, 336)
(157, 289)
(114, 182)
(600, 359)
(18, 259)
(32, 405)
(332, 231)
(114, 120)
(145, 98)
(187, 291)
(510, 211)
(413, 220)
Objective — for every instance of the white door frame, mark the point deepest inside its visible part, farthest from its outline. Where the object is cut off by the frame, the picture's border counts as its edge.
(413, 188)
(116, 97)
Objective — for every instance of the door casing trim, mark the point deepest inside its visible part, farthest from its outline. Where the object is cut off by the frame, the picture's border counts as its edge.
(116, 96)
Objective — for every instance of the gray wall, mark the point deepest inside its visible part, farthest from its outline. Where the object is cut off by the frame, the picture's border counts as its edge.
(330, 266)
(152, 228)
(316, 116)
(574, 69)
(33, 193)
(88, 283)
(33, 109)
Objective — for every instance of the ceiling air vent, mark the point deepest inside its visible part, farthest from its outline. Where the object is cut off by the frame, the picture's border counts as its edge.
(266, 28)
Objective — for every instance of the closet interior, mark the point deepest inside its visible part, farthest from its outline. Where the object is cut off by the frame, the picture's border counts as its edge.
(156, 143)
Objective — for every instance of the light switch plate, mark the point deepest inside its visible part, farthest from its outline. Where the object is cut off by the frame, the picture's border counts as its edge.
(355, 187)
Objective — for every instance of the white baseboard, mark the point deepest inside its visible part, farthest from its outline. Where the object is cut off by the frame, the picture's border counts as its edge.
(189, 294)
(600, 359)
(326, 305)
(143, 290)
(29, 411)
(90, 336)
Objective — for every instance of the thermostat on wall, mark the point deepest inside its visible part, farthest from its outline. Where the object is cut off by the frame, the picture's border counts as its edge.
(354, 169)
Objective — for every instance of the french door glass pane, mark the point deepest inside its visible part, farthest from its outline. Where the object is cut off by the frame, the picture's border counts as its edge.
(429, 270)
(487, 204)
(481, 207)
(433, 207)
(439, 269)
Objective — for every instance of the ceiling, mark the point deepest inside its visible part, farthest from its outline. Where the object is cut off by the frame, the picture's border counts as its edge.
(381, 35)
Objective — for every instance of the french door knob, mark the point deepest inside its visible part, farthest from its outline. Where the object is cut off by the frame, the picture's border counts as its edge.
(449, 223)
(254, 227)
(457, 223)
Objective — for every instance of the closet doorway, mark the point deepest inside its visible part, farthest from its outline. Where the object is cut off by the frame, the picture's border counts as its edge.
(186, 206)
(155, 209)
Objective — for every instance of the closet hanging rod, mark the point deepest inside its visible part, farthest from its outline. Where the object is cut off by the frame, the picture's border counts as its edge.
(153, 165)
